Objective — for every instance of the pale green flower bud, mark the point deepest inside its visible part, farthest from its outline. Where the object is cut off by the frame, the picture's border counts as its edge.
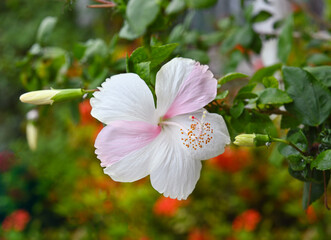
(43, 97)
(32, 135)
(245, 140)
(251, 140)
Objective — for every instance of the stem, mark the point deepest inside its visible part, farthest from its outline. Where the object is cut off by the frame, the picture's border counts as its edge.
(289, 143)
(325, 192)
(104, 4)
(89, 90)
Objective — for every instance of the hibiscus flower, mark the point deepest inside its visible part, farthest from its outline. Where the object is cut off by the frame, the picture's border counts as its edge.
(167, 142)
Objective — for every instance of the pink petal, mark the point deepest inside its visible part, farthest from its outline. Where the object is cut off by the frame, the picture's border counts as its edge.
(196, 90)
(121, 138)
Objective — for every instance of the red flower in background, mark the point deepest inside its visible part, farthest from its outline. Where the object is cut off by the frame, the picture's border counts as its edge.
(198, 234)
(232, 160)
(6, 161)
(166, 206)
(311, 214)
(85, 113)
(247, 221)
(16, 220)
(87, 119)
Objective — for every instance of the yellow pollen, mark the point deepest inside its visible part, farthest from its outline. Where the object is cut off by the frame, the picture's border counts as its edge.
(199, 133)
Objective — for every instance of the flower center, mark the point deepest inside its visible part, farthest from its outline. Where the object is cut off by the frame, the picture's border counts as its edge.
(198, 134)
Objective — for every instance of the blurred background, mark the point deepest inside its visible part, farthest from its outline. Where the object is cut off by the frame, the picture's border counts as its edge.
(51, 183)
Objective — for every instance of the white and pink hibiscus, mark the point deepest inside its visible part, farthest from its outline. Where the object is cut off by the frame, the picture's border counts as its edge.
(167, 142)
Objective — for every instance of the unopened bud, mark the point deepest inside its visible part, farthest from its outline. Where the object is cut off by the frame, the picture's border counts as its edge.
(245, 140)
(43, 97)
(251, 140)
(32, 135)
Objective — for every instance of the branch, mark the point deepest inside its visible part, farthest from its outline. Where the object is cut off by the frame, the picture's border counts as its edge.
(104, 4)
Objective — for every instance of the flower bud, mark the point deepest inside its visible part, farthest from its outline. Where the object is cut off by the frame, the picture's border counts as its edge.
(42, 97)
(245, 140)
(251, 140)
(32, 135)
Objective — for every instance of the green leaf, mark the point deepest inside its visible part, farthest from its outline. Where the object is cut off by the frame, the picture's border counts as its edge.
(246, 95)
(45, 29)
(143, 70)
(211, 39)
(274, 96)
(248, 88)
(161, 53)
(319, 59)
(265, 72)
(270, 82)
(139, 55)
(285, 40)
(322, 74)
(316, 192)
(296, 162)
(231, 76)
(242, 36)
(175, 6)
(155, 56)
(300, 175)
(289, 122)
(297, 138)
(200, 3)
(140, 14)
(198, 55)
(95, 47)
(311, 101)
(222, 95)
(261, 16)
(322, 161)
(253, 122)
(237, 109)
(246, 92)
(127, 32)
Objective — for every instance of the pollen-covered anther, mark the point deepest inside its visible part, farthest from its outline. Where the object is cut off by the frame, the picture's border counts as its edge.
(198, 134)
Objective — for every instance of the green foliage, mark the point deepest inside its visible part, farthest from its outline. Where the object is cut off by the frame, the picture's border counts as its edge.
(138, 21)
(261, 16)
(285, 40)
(311, 101)
(200, 3)
(322, 161)
(273, 96)
(265, 72)
(45, 29)
(63, 187)
(231, 76)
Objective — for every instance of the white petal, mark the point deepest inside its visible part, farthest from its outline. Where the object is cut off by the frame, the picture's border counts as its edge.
(174, 174)
(123, 97)
(202, 144)
(183, 86)
(136, 165)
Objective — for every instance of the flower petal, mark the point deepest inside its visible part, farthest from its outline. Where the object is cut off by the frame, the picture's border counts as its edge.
(123, 97)
(120, 138)
(137, 164)
(203, 142)
(183, 86)
(174, 174)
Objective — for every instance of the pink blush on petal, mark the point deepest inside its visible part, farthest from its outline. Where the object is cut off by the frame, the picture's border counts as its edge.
(120, 138)
(197, 90)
